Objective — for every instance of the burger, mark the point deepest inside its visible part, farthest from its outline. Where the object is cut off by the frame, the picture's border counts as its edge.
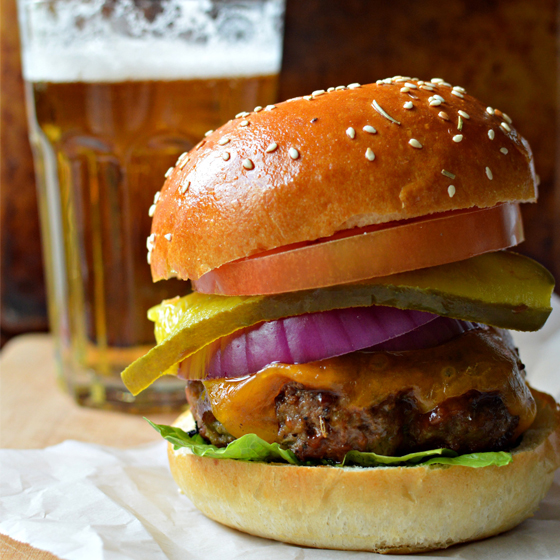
(351, 379)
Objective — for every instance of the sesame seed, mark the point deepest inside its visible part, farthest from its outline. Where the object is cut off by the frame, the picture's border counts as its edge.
(308, 97)
(451, 191)
(383, 113)
(489, 110)
(445, 84)
(448, 174)
(152, 210)
(369, 154)
(242, 114)
(505, 126)
(351, 132)
(257, 109)
(149, 257)
(248, 164)
(405, 89)
(270, 107)
(185, 187)
(464, 115)
(294, 154)
(460, 123)
(457, 138)
(339, 88)
(408, 105)
(369, 128)
(436, 80)
(150, 241)
(491, 134)
(353, 85)
(314, 119)
(504, 151)
(225, 156)
(457, 93)
(271, 147)
(460, 89)
(506, 118)
(437, 96)
(168, 236)
(435, 102)
(156, 197)
(223, 141)
(388, 81)
(414, 143)
(168, 172)
(330, 90)
(489, 173)
(318, 92)
(410, 85)
(182, 161)
(443, 115)
(244, 123)
(427, 87)
(208, 132)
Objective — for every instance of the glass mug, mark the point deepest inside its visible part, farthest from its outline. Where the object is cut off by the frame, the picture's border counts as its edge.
(116, 91)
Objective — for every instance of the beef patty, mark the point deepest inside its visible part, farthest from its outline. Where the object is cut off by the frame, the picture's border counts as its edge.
(315, 425)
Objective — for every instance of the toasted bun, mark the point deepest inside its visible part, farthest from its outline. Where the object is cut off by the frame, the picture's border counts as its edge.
(389, 510)
(235, 199)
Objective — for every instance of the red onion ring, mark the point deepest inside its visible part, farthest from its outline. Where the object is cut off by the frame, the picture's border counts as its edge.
(432, 334)
(308, 338)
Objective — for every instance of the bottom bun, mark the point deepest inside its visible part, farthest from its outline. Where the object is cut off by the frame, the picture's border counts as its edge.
(384, 509)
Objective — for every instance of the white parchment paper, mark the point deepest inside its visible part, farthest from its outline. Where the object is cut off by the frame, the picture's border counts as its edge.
(87, 502)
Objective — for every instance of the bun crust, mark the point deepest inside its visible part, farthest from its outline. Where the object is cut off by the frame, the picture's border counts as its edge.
(388, 510)
(235, 199)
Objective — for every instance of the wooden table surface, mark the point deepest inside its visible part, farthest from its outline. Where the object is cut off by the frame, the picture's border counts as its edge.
(44, 416)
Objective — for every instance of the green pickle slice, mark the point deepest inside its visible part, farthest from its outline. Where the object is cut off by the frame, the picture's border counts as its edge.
(500, 289)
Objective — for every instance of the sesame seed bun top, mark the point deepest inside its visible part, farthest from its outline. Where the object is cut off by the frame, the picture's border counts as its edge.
(352, 156)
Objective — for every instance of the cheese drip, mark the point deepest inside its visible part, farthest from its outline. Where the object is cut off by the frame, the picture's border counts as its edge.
(483, 360)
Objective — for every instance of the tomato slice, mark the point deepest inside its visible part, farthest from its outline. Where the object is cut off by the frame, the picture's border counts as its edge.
(369, 252)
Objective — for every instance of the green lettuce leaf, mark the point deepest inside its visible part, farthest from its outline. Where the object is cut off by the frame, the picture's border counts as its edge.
(475, 460)
(251, 447)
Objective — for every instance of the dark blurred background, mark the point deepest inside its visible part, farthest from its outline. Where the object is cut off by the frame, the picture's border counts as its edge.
(503, 51)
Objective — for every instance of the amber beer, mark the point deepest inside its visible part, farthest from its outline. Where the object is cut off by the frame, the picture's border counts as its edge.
(102, 145)
(110, 144)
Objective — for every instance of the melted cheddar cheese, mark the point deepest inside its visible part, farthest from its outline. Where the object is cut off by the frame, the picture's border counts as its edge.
(481, 360)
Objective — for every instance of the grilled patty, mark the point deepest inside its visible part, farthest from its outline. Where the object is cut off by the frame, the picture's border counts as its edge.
(315, 424)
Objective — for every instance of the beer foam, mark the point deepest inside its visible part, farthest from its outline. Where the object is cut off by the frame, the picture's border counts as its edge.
(149, 60)
(96, 41)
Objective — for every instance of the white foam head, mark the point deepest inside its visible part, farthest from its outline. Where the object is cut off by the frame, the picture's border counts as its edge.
(186, 40)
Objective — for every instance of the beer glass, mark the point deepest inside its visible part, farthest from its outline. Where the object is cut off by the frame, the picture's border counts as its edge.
(117, 90)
